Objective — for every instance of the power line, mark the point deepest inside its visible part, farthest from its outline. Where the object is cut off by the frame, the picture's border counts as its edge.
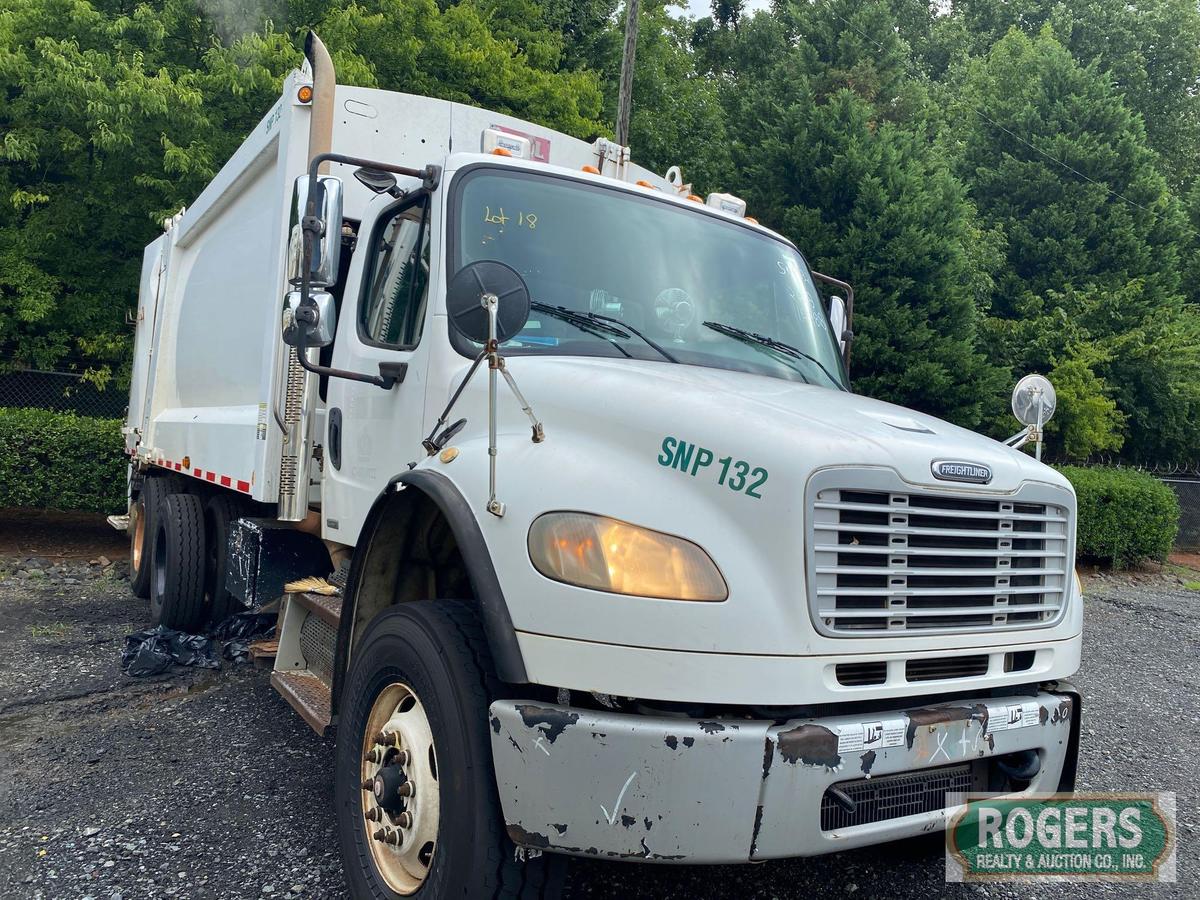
(920, 76)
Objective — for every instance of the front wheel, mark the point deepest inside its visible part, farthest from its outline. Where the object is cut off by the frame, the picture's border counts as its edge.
(418, 813)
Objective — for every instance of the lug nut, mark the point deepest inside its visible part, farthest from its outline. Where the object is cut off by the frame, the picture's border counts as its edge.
(379, 834)
(402, 758)
(404, 820)
(374, 814)
(405, 790)
(393, 837)
(376, 754)
(387, 740)
(368, 784)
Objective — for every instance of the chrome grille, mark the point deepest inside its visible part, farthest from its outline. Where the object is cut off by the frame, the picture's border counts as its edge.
(891, 562)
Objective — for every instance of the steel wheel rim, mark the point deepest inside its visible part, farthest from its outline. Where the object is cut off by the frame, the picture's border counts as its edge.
(397, 747)
(158, 569)
(138, 533)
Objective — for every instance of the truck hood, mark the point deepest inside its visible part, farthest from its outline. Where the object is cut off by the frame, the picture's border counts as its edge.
(725, 460)
(761, 417)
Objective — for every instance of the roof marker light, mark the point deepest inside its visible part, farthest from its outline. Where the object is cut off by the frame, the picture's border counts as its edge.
(591, 170)
(647, 184)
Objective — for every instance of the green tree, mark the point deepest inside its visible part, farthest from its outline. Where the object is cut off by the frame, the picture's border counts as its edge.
(99, 141)
(831, 149)
(1059, 167)
(676, 116)
(117, 114)
(1150, 50)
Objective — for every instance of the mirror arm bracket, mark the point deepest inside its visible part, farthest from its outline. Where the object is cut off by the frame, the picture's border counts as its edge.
(390, 374)
(848, 334)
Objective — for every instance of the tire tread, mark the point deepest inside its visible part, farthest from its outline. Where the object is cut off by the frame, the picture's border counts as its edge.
(183, 600)
(465, 650)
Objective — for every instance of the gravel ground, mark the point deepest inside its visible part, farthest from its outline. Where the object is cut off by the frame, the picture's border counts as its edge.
(204, 784)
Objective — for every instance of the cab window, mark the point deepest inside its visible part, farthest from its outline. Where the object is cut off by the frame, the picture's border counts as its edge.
(393, 308)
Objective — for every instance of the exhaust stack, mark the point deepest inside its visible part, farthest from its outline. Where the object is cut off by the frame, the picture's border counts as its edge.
(320, 131)
(300, 385)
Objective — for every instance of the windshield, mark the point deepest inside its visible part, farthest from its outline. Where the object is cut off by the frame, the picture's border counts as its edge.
(682, 284)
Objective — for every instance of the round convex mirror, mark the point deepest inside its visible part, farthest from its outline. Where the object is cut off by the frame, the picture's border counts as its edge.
(464, 300)
(1027, 393)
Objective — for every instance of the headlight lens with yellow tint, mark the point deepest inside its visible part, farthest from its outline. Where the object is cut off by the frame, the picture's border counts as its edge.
(606, 554)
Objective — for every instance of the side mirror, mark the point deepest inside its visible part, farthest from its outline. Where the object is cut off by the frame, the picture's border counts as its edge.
(378, 181)
(1033, 403)
(323, 272)
(839, 319)
(467, 295)
(321, 332)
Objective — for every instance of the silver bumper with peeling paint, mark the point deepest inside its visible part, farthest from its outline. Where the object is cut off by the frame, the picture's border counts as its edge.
(658, 788)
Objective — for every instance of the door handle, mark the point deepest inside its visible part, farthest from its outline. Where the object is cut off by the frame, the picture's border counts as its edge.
(335, 437)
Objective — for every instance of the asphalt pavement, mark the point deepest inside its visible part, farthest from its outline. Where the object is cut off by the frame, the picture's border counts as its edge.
(205, 784)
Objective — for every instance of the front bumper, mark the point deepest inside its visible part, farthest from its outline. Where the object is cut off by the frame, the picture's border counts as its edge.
(660, 788)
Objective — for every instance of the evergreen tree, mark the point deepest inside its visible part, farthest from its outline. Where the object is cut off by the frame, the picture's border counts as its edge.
(831, 150)
(1059, 168)
(1149, 50)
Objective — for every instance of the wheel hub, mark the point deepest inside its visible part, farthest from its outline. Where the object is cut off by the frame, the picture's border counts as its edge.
(399, 784)
(387, 785)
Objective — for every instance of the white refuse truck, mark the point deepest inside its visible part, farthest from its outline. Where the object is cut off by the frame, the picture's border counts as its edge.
(620, 567)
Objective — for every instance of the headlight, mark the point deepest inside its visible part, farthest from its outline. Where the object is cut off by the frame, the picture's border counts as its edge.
(610, 555)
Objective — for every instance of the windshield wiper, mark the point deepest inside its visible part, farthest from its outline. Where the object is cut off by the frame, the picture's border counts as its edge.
(654, 344)
(602, 323)
(583, 323)
(761, 340)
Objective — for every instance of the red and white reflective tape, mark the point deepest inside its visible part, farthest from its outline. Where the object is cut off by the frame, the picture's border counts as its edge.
(204, 475)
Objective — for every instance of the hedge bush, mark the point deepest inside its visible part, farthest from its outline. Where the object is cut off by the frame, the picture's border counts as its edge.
(51, 460)
(1125, 515)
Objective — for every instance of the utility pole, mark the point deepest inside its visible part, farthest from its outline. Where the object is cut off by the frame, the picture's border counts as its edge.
(625, 97)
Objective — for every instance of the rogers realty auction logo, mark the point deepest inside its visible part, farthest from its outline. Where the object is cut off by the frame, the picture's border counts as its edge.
(1047, 837)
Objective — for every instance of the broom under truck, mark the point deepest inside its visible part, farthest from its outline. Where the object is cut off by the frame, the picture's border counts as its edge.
(620, 566)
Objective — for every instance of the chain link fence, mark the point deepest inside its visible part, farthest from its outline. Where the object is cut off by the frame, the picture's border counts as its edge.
(62, 392)
(1187, 489)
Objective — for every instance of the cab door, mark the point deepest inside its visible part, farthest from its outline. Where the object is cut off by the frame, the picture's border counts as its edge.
(371, 434)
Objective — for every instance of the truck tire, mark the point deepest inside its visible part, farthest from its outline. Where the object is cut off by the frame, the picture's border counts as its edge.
(177, 564)
(220, 513)
(420, 681)
(143, 520)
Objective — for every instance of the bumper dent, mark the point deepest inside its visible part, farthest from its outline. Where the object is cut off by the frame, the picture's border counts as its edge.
(657, 788)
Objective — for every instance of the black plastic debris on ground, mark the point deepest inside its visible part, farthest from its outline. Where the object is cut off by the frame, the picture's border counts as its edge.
(241, 629)
(156, 649)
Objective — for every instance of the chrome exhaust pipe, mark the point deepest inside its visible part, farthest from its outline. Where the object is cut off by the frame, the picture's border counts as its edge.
(320, 129)
(301, 386)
